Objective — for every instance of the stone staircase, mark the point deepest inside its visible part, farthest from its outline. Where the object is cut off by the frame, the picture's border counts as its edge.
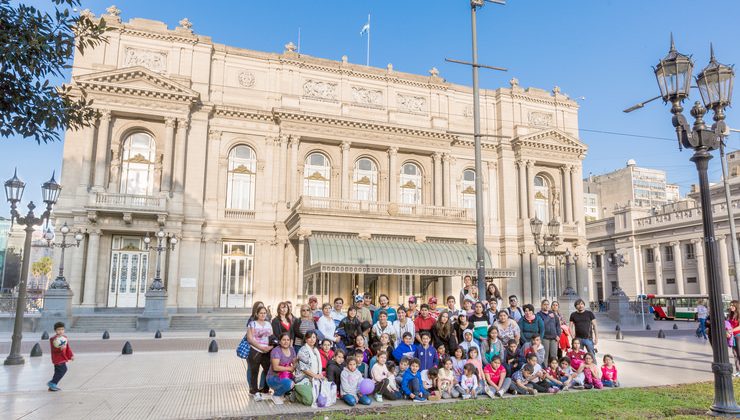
(225, 321)
(102, 322)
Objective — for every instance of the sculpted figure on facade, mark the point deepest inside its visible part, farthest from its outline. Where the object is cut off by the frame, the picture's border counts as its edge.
(540, 119)
(246, 79)
(319, 89)
(411, 103)
(366, 96)
(153, 60)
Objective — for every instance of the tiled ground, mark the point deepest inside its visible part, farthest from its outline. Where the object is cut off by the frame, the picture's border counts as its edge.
(182, 383)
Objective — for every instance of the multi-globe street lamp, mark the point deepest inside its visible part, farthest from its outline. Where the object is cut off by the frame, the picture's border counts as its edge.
(14, 188)
(673, 74)
(546, 244)
(60, 282)
(164, 242)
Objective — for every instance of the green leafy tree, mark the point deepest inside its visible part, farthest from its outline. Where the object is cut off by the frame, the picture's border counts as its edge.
(36, 45)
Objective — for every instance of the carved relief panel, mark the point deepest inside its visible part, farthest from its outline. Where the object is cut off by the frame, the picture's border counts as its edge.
(153, 60)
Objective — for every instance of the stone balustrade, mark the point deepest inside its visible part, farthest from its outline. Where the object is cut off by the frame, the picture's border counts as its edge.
(128, 202)
(383, 208)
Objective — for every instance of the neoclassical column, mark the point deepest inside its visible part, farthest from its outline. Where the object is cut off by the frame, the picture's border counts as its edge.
(282, 171)
(91, 270)
(678, 266)
(293, 168)
(724, 264)
(345, 170)
(590, 274)
(101, 154)
(301, 255)
(700, 265)
(492, 193)
(567, 195)
(522, 170)
(604, 283)
(180, 147)
(658, 260)
(447, 181)
(526, 276)
(172, 279)
(437, 159)
(534, 279)
(88, 155)
(75, 281)
(530, 189)
(169, 143)
(393, 174)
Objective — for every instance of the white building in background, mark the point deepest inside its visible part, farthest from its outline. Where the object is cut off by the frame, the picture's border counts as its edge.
(591, 207)
(285, 176)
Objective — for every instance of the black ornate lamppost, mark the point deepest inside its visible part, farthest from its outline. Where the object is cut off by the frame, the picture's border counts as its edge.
(14, 188)
(60, 282)
(715, 81)
(546, 244)
(164, 242)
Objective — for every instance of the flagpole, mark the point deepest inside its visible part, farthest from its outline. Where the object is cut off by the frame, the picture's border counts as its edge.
(367, 63)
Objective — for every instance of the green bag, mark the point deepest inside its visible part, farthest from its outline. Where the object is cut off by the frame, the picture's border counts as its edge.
(304, 392)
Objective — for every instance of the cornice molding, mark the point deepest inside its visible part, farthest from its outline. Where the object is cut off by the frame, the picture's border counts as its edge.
(114, 82)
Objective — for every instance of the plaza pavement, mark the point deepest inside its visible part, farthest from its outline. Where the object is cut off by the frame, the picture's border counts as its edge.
(175, 377)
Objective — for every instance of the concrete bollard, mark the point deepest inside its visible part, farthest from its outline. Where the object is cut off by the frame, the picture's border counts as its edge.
(675, 326)
(661, 334)
(127, 349)
(620, 336)
(36, 350)
(212, 333)
(158, 334)
(213, 347)
(45, 336)
(106, 335)
(647, 327)
(618, 328)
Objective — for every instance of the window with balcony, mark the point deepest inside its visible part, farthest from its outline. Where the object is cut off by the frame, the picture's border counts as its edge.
(365, 180)
(241, 178)
(411, 181)
(316, 178)
(137, 164)
(541, 198)
(468, 189)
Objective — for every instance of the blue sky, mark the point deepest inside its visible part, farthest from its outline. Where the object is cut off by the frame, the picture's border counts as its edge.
(601, 50)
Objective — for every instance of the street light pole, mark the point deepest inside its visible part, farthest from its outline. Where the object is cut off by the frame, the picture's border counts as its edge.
(164, 242)
(60, 282)
(14, 188)
(673, 74)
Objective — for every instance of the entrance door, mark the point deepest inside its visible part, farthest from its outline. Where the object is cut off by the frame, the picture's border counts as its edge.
(237, 275)
(128, 273)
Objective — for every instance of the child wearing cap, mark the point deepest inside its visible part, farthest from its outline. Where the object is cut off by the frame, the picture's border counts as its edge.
(433, 311)
(411, 311)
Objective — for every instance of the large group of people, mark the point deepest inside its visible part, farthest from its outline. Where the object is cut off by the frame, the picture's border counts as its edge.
(419, 352)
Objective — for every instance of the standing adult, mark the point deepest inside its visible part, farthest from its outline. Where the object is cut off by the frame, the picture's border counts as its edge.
(514, 311)
(401, 325)
(368, 298)
(326, 324)
(508, 329)
(701, 316)
(423, 322)
(366, 317)
(282, 365)
(336, 313)
(313, 304)
(383, 327)
(301, 326)
(443, 333)
(467, 286)
(283, 321)
(384, 302)
(492, 292)
(565, 334)
(492, 310)
(551, 337)
(583, 326)
(258, 336)
(531, 325)
(733, 317)
(351, 326)
(480, 323)
(450, 308)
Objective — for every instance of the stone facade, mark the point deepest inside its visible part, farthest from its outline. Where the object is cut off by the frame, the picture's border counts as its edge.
(247, 155)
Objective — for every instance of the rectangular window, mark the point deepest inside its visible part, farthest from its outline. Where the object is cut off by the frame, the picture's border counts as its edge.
(598, 261)
(651, 281)
(649, 256)
(670, 281)
(669, 253)
(690, 255)
(690, 279)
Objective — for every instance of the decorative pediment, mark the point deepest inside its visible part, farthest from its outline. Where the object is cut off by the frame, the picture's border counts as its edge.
(139, 158)
(409, 184)
(469, 190)
(241, 169)
(137, 82)
(552, 140)
(316, 176)
(363, 181)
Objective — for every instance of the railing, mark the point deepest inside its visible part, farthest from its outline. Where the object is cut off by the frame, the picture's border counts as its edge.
(129, 201)
(383, 208)
(9, 302)
(719, 210)
(236, 214)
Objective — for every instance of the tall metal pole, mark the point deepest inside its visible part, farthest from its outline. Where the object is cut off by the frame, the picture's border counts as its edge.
(15, 357)
(479, 216)
(730, 219)
(547, 277)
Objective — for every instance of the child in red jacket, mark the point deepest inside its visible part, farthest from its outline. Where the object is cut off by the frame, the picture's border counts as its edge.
(61, 353)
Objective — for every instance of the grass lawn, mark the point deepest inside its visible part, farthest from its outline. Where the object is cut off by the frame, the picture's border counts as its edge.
(679, 401)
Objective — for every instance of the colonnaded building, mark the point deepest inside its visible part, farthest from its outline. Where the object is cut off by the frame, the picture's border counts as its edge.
(285, 176)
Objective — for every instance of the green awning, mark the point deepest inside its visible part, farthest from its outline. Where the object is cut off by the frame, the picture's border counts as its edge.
(354, 255)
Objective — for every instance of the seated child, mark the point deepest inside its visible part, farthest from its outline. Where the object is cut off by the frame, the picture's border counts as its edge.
(334, 368)
(458, 362)
(513, 357)
(536, 379)
(441, 354)
(537, 348)
(431, 383)
(468, 386)
(361, 366)
(412, 385)
(575, 354)
(519, 381)
(326, 353)
(403, 366)
(446, 379)
(496, 381)
(609, 372)
(405, 348)
(375, 349)
(569, 377)
(361, 344)
(425, 352)
(591, 373)
(474, 360)
(385, 381)
(351, 378)
(552, 376)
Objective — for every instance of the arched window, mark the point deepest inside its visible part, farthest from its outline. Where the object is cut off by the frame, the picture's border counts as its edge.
(316, 175)
(541, 198)
(468, 189)
(137, 164)
(410, 184)
(241, 178)
(365, 182)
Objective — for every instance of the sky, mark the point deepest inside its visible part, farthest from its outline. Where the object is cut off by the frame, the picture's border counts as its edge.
(598, 51)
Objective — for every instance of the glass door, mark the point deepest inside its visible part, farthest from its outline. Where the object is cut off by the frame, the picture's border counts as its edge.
(129, 270)
(237, 275)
